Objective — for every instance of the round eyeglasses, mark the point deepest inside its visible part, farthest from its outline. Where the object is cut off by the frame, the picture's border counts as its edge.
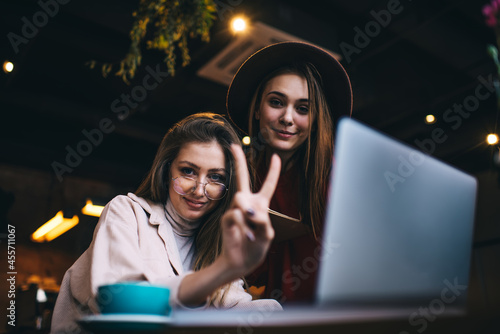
(184, 185)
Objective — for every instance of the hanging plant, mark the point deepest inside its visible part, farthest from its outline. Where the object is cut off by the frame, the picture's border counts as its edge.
(173, 22)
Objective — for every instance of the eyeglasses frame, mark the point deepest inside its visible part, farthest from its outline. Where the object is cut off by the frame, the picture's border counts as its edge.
(226, 188)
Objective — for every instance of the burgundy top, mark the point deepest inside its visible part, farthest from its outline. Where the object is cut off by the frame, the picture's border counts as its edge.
(290, 269)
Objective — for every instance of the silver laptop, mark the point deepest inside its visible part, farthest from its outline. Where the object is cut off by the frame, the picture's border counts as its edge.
(399, 225)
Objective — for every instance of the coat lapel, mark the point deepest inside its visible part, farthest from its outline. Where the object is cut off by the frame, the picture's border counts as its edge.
(167, 235)
(164, 230)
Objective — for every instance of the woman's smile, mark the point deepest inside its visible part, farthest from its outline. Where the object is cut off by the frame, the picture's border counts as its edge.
(194, 203)
(284, 134)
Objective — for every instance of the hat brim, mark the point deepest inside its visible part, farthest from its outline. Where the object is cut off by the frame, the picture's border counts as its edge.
(336, 83)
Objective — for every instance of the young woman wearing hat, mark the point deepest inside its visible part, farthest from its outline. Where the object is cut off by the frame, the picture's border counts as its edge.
(288, 97)
(193, 225)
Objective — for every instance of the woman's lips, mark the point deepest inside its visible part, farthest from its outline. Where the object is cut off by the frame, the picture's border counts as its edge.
(193, 203)
(284, 134)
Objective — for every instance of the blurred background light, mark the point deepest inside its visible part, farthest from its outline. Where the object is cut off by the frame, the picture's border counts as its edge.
(8, 66)
(430, 119)
(53, 228)
(246, 140)
(238, 24)
(492, 139)
(91, 209)
(41, 296)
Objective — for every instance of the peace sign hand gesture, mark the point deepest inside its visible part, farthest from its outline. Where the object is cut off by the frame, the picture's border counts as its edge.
(246, 227)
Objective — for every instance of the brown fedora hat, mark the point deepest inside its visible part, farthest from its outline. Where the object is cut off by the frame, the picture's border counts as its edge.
(336, 83)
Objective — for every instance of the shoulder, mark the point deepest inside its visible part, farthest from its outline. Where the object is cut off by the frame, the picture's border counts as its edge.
(131, 207)
(122, 208)
(130, 202)
(120, 203)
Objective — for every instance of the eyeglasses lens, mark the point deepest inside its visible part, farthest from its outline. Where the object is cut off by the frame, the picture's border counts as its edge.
(215, 190)
(184, 186)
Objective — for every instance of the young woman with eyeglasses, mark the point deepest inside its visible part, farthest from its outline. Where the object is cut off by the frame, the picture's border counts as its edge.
(192, 225)
(287, 97)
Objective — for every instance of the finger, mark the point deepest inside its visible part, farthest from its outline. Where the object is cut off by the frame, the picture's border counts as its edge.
(250, 235)
(242, 175)
(261, 226)
(272, 177)
(250, 212)
(242, 202)
(254, 211)
(236, 218)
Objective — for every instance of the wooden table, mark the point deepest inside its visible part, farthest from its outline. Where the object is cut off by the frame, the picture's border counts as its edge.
(293, 321)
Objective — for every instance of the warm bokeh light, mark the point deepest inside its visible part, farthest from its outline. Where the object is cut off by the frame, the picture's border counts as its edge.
(91, 209)
(54, 228)
(430, 119)
(246, 140)
(238, 24)
(8, 66)
(492, 139)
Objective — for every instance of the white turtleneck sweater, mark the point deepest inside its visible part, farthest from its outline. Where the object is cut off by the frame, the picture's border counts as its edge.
(184, 233)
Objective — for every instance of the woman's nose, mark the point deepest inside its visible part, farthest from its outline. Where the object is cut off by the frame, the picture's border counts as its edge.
(199, 191)
(287, 117)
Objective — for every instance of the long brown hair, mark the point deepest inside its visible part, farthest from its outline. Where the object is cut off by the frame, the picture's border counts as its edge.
(200, 128)
(317, 148)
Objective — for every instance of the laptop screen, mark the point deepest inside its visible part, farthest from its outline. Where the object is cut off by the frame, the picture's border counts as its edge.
(401, 222)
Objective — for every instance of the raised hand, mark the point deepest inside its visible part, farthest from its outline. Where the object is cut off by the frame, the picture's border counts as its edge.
(246, 227)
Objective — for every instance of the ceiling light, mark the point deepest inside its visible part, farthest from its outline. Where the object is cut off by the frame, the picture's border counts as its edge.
(238, 24)
(492, 139)
(8, 66)
(221, 67)
(56, 226)
(430, 119)
(91, 209)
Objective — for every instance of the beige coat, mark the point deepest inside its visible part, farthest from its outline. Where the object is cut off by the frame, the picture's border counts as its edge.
(132, 241)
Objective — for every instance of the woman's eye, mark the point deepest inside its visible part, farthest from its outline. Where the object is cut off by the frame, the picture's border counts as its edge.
(303, 109)
(187, 171)
(217, 178)
(275, 103)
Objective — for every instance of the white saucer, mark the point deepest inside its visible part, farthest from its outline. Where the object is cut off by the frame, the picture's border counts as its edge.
(125, 322)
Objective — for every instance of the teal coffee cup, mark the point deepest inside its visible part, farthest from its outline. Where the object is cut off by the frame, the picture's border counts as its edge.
(133, 298)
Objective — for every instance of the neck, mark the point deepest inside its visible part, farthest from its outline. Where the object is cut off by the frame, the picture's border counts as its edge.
(286, 158)
(181, 226)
